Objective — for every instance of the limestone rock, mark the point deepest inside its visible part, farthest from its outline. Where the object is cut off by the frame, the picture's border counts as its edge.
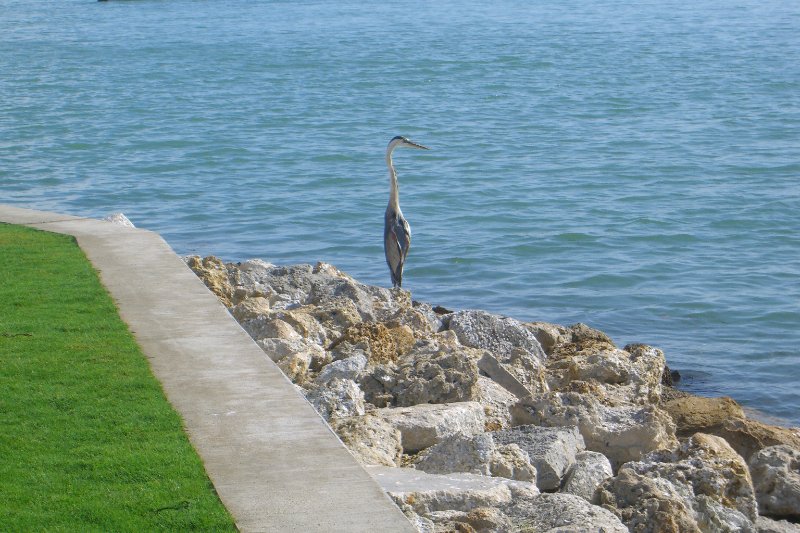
(747, 436)
(250, 309)
(214, 274)
(693, 414)
(617, 376)
(776, 478)
(564, 513)
(384, 344)
(703, 485)
(477, 454)
(422, 426)
(483, 519)
(589, 471)
(521, 374)
(436, 370)
(340, 398)
(370, 439)
(428, 493)
(622, 433)
(496, 402)
(549, 335)
(351, 368)
(500, 335)
(768, 525)
(551, 450)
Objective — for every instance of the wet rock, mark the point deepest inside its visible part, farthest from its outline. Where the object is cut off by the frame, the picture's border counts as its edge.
(621, 433)
(551, 450)
(776, 478)
(587, 473)
(564, 513)
(428, 493)
(703, 485)
(693, 414)
(371, 440)
(422, 426)
(477, 454)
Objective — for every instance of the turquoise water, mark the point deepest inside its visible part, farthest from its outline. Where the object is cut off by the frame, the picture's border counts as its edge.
(634, 167)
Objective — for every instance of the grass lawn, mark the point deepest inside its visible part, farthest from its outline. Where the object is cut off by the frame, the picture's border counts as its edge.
(88, 441)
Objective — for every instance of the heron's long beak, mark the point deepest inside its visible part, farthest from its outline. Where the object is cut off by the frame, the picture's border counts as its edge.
(412, 144)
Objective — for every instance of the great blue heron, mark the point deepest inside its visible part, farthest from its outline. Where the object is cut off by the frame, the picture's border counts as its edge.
(396, 231)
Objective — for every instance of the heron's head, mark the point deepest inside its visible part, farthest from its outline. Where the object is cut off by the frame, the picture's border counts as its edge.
(402, 141)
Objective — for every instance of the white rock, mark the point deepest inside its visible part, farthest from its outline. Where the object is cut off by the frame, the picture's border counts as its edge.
(120, 219)
(349, 368)
(341, 398)
(424, 425)
(622, 433)
(590, 469)
(500, 335)
(564, 513)
(427, 493)
(551, 450)
(477, 455)
(776, 479)
(370, 439)
(768, 525)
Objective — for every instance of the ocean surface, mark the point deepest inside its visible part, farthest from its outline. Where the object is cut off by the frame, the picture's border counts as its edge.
(631, 165)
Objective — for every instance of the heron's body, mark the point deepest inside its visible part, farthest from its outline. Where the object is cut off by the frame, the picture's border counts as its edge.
(396, 231)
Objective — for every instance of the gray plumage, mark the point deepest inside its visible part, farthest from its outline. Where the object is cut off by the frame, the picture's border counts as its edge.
(396, 231)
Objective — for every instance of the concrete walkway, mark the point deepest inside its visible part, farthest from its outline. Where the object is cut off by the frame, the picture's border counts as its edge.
(275, 463)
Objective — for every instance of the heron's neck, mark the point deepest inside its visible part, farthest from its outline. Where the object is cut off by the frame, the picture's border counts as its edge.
(394, 193)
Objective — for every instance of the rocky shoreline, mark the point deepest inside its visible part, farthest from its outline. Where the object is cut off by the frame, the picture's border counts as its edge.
(477, 422)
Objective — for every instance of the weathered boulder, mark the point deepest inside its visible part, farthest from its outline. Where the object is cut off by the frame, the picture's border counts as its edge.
(551, 450)
(338, 398)
(350, 368)
(563, 513)
(549, 335)
(621, 433)
(703, 485)
(477, 454)
(428, 493)
(693, 414)
(747, 436)
(776, 478)
(483, 519)
(616, 376)
(521, 375)
(370, 439)
(424, 425)
(432, 372)
(214, 274)
(586, 474)
(768, 525)
(502, 336)
(382, 343)
(496, 402)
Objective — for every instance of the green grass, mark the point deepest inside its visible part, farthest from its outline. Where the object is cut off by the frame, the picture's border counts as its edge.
(88, 441)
